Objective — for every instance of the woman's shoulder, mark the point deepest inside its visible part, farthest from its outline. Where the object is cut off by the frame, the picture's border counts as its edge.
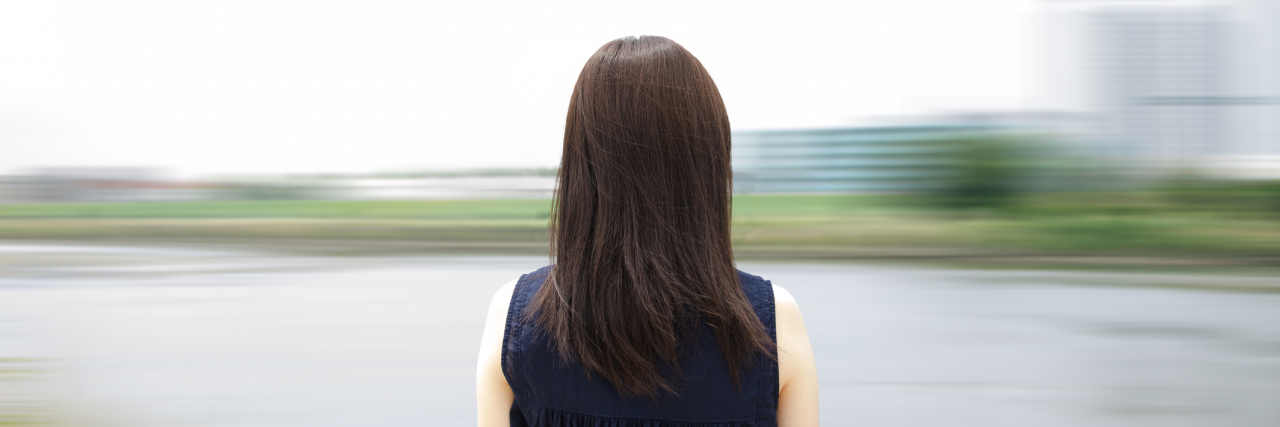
(493, 393)
(797, 372)
(783, 299)
(792, 336)
(498, 306)
(502, 297)
(786, 308)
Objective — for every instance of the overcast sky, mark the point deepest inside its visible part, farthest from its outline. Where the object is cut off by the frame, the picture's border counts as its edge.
(219, 87)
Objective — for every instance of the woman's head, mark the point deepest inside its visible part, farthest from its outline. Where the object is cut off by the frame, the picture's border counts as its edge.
(641, 226)
(646, 126)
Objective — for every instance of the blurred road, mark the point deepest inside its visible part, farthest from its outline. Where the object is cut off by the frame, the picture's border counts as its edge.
(191, 337)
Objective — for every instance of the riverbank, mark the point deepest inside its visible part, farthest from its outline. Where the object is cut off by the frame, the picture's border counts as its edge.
(764, 227)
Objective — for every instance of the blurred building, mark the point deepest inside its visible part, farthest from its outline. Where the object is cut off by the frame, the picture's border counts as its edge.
(444, 187)
(1179, 86)
(900, 158)
(83, 185)
(91, 185)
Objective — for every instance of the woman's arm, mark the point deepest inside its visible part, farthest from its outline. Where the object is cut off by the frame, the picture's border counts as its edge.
(797, 373)
(493, 394)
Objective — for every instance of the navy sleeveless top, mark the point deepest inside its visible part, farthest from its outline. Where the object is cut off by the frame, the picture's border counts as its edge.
(551, 391)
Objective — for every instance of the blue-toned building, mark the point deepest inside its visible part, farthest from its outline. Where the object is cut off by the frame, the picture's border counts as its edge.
(844, 160)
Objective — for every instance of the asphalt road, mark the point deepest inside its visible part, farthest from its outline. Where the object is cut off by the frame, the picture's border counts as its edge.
(187, 337)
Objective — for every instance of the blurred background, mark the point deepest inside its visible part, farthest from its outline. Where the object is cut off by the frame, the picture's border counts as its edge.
(277, 213)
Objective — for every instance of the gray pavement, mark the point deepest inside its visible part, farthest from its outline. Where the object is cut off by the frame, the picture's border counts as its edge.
(189, 337)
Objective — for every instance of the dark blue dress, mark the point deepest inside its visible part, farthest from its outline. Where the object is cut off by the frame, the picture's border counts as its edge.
(550, 391)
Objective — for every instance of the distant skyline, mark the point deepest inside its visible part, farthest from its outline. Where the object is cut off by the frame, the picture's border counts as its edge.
(243, 87)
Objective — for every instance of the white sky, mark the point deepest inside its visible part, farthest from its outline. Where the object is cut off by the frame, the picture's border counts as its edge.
(260, 86)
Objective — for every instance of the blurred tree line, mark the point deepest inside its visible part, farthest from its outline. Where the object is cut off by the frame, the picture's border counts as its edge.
(1011, 173)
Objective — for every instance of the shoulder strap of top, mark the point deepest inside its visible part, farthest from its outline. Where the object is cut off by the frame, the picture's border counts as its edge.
(760, 292)
(516, 325)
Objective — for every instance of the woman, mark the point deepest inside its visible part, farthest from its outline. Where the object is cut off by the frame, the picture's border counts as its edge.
(644, 320)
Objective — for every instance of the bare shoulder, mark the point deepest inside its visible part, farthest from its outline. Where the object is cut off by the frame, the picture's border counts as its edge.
(781, 296)
(789, 322)
(499, 304)
(493, 394)
(495, 321)
(793, 340)
(497, 316)
(503, 296)
(797, 372)
(785, 306)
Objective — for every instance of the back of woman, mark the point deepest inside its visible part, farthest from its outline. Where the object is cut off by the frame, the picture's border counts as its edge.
(643, 318)
(550, 392)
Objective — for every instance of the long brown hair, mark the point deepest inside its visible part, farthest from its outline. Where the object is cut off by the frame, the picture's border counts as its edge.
(640, 231)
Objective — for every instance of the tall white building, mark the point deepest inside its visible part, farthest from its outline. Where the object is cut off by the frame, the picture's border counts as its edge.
(1176, 85)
